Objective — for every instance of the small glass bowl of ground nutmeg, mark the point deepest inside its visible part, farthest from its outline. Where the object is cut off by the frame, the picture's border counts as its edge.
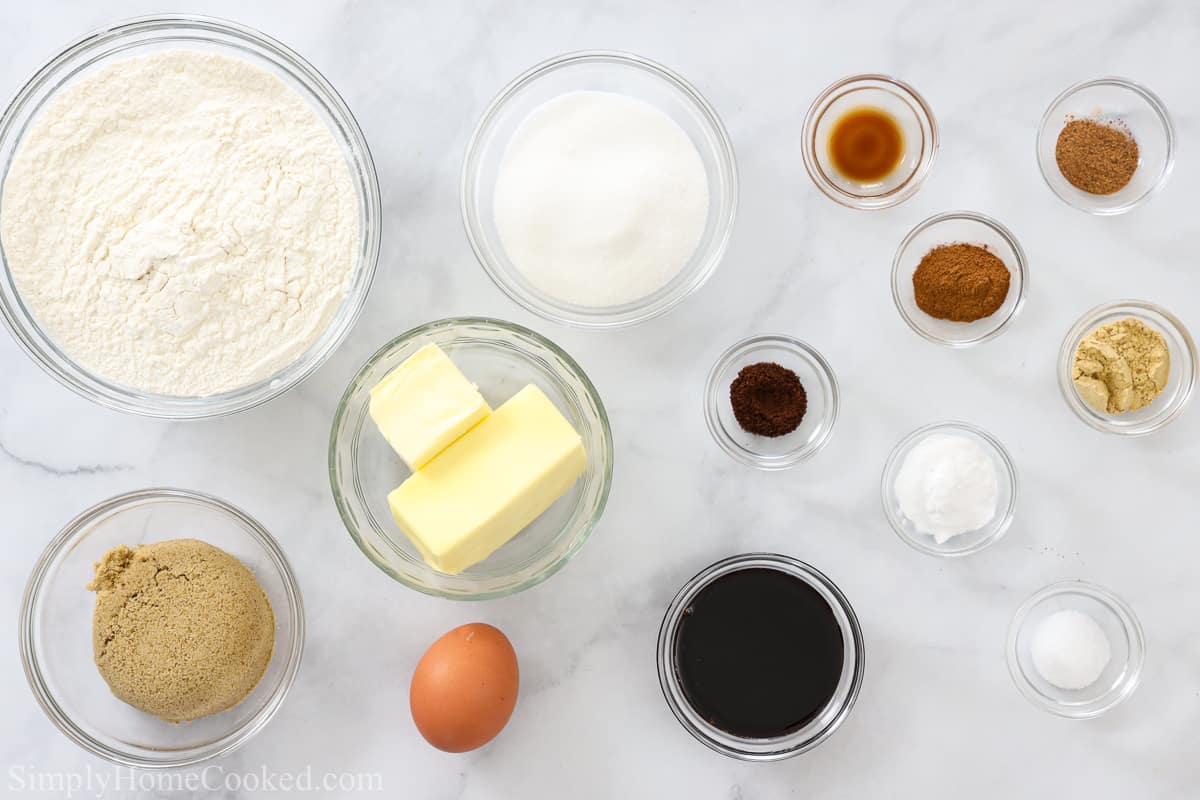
(771, 401)
(132, 538)
(959, 278)
(1106, 145)
(1127, 367)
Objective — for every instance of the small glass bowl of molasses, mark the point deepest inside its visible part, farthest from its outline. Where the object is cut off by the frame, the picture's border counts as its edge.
(869, 141)
(1127, 106)
(760, 657)
(958, 227)
(816, 424)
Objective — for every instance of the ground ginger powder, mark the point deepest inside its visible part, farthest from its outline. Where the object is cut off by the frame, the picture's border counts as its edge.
(181, 629)
(1121, 366)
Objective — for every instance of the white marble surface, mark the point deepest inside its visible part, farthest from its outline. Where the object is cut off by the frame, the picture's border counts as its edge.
(938, 715)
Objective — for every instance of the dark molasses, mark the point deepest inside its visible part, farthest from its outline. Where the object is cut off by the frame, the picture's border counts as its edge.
(759, 653)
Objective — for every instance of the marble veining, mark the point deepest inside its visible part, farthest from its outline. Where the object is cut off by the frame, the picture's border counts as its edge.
(938, 716)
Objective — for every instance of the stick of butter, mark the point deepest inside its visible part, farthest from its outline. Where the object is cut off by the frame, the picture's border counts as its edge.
(485, 488)
(424, 404)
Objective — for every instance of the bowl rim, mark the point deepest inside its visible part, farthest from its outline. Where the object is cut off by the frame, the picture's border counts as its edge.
(816, 112)
(712, 393)
(1156, 105)
(1120, 609)
(1083, 326)
(37, 344)
(789, 744)
(892, 465)
(638, 311)
(31, 598)
(1010, 239)
(341, 415)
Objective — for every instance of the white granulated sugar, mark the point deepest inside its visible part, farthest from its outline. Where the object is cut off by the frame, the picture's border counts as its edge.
(600, 199)
(182, 223)
(948, 486)
(1070, 649)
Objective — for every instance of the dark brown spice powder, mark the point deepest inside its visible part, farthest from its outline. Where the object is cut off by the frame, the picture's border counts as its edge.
(768, 399)
(1096, 157)
(961, 282)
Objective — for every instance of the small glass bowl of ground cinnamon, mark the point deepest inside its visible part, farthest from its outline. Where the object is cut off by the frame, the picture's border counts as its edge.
(771, 401)
(959, 278)
(1104, 146)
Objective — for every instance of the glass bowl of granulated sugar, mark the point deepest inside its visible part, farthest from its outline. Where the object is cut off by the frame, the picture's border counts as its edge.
(189, 220)
(599, 189)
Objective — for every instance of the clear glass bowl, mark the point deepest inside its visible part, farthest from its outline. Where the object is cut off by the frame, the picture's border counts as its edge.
(818, 729)
(899, 100)
(620, 73)
(779, 452)
(1180, 383)
(56, 629)
(147, 34)
(1140, 111)
(966, 543)
(1125, 638)
(500, 358)
(955, 227)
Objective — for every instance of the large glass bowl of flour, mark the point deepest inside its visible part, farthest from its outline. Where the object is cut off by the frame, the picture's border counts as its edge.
(283, 341)
(599, 189)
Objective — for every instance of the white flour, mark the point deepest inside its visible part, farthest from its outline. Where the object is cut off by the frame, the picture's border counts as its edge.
(182, 223)
(600, 199)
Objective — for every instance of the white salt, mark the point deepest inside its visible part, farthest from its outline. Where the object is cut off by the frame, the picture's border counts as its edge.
(1070, 649)
(601, 199)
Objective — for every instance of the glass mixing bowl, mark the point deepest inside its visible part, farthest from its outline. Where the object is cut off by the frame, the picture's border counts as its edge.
(955, 227)
(1139, 110)
(138, 37)
(899, 100)
(1180, 382)
(620, 73)
(500, 358)
(56, 629)
(1127, 643)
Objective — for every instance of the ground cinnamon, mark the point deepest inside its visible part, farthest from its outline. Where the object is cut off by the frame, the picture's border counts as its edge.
(1096, 157)
(768, 399)
(961, 282)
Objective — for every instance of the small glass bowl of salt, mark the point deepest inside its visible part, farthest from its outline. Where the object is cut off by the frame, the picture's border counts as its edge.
(1075, 649)
(949, 489)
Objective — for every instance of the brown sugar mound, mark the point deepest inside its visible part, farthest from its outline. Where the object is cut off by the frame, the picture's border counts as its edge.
(181, 630)
(960, 282)
(1096, 157)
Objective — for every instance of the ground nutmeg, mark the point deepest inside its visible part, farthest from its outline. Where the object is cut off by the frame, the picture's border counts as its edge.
(1097, 157)
(768, 399)
(960, 282)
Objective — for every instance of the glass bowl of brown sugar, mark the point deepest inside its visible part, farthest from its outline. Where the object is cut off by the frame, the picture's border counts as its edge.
(959, 278)
(785, 443)
(1105, 146)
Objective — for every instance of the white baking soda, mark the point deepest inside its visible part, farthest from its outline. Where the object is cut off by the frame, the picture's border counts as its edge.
(601, 198)
(947, 486)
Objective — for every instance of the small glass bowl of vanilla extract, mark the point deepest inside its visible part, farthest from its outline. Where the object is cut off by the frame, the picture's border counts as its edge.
(760, 657)
(869, 141)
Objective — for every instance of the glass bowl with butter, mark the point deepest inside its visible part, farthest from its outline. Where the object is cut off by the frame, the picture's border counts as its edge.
(510, 453)
(1104, 374)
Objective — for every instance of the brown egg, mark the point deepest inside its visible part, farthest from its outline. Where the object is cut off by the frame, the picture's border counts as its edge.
(464, 688)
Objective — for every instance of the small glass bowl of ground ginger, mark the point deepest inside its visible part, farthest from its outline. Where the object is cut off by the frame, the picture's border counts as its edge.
(959, 278)
(1104, 146)
(57, 615)
(1134, 359)
(786, 435)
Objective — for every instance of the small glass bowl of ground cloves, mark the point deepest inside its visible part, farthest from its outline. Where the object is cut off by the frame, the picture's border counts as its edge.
(771, 401)
(1106, 145)
(959, 278)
